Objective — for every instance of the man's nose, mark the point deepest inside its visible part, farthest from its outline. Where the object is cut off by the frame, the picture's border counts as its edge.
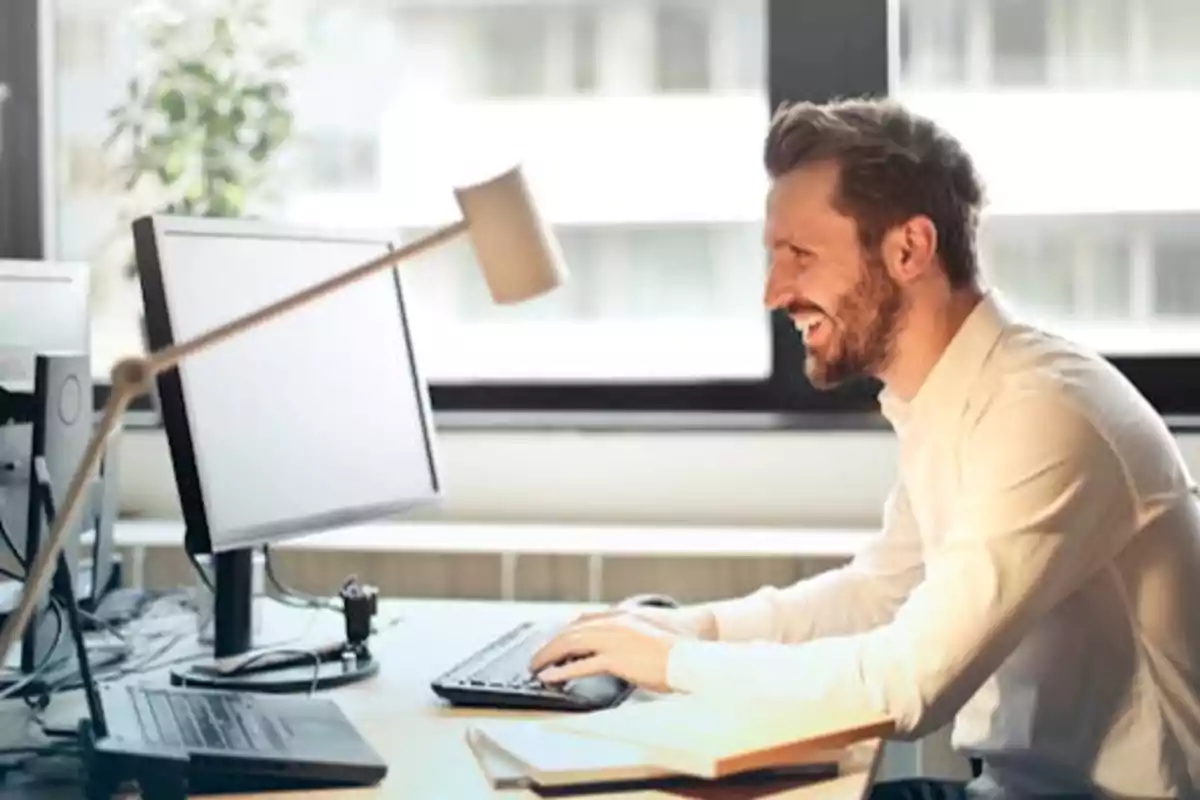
(779, 290)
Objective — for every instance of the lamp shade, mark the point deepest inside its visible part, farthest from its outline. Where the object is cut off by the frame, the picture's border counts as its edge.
(519, 255)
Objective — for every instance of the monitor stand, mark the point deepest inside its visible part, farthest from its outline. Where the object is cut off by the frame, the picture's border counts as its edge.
(236, 664)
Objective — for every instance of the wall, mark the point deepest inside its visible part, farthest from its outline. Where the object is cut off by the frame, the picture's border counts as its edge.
(736, 477)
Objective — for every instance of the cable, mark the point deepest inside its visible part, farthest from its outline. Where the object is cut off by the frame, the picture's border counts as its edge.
(150, 662)
(108, 626)
(47, 662)
(290, 596)
(243, 667)
(12, 548)
(49, 749)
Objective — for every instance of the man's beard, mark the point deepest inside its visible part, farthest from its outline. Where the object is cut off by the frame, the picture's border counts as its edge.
(862, 330)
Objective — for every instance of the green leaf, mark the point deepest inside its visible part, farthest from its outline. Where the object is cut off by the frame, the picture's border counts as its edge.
(174, 105)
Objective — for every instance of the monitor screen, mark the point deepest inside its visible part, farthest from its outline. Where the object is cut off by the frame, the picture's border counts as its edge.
(43, 308)
(316, 419)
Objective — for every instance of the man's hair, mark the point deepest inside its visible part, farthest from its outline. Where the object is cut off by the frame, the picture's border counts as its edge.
(892, 165)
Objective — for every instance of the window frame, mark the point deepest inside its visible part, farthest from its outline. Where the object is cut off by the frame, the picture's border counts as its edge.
(814, 51)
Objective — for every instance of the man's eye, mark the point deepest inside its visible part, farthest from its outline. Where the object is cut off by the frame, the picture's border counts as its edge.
(799, 255)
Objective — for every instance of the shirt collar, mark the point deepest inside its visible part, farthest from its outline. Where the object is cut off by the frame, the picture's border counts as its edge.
(950, 378)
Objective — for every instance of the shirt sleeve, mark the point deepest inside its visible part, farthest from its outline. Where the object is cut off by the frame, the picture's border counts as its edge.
(856, 597)
(1040, 505)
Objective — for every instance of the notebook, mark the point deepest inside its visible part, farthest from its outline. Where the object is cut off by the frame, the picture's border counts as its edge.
(517, 754)
(712, 737)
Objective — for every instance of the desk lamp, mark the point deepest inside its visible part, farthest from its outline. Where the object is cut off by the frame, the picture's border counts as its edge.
(520, 260)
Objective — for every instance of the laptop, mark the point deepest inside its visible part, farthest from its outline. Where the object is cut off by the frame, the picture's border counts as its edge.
(176, 741)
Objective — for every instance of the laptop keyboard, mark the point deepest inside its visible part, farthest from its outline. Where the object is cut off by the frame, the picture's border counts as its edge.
(205, 720)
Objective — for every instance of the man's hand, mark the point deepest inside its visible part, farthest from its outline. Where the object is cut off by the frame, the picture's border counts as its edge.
(620, 644)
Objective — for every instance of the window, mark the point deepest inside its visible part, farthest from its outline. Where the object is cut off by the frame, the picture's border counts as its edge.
(584, 51)
(82, 42)
(1044, 44)
(1091, 43)
(1019, 42)
(337, 161)
(367, 113)
(933, 42)
(1171, 55)
(1042, 266)
(639, 125)
(682, 58)
(1082, 231)
(513, 45)
(1177, 277)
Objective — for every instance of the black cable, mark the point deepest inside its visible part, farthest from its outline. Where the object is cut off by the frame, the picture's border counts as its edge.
(50, 749)
(12, 547)
(33, 679)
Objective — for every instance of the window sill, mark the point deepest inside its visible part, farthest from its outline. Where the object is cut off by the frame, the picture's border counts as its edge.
(545, 539)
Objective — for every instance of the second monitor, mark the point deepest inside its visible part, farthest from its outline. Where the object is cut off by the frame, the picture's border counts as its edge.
(313, 421)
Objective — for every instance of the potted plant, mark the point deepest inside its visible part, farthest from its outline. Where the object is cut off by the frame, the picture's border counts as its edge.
(201, 124)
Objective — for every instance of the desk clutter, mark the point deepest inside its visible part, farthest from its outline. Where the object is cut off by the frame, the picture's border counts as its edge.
(677, 741)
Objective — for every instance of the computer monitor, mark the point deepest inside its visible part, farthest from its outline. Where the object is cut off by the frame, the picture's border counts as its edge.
(316, 420)
(52, 424)
(62, 425)
(43, 308)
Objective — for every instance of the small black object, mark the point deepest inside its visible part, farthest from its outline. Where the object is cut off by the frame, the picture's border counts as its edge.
(360, 604)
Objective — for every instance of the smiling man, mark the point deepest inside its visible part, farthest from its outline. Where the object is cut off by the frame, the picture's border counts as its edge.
(1036, 581)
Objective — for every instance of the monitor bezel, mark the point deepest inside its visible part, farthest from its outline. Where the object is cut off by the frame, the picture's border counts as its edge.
(148, 231)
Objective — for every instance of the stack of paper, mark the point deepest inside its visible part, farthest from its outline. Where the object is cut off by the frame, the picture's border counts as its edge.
(683, 738)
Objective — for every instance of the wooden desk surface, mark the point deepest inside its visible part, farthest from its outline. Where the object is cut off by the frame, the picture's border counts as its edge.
(423, 740)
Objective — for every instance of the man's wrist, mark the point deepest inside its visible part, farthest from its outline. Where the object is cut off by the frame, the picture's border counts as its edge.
(702, 622)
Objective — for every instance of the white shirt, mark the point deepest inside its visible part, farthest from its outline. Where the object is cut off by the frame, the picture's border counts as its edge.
(1036, 581)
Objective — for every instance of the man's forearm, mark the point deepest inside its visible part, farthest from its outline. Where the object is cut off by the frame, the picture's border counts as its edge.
(837, 602)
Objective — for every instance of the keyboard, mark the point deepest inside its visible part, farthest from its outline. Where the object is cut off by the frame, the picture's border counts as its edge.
(497, 676)
(196, 721)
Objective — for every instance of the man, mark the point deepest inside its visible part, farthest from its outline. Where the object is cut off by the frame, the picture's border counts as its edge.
(1037, 578)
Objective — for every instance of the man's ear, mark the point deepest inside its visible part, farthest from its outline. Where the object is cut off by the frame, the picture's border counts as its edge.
(910, 249)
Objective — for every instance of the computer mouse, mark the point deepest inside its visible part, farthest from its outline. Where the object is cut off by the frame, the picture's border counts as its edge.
(650, 599)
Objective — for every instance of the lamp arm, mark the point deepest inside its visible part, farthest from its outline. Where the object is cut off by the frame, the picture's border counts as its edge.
(133, 377)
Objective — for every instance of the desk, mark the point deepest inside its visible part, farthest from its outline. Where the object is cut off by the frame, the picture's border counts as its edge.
(422, 739)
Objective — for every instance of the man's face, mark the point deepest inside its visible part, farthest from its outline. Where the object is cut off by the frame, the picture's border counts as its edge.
(842, 299)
